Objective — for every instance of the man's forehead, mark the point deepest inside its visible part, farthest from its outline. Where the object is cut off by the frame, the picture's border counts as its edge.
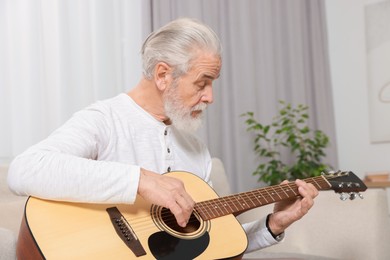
(208, 68)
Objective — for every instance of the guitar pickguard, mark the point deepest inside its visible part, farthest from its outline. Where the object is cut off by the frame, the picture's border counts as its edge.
(164, 246)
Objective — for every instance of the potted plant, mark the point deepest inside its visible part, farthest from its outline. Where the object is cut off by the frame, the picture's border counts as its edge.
(288, 130)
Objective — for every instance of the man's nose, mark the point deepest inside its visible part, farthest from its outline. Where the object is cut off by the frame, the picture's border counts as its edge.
(208, 95)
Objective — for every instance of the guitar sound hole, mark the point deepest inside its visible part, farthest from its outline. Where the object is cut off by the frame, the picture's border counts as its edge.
(169, 219)
(166, 221)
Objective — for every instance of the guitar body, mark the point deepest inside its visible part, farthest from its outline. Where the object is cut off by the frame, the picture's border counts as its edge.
(62, 230)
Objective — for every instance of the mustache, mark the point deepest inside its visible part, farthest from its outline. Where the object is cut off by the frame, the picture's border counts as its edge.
(201, 107)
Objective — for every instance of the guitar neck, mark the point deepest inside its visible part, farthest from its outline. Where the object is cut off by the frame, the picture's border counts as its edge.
(241, 202)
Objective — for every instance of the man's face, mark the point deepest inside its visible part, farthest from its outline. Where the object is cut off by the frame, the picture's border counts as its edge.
(188, 96)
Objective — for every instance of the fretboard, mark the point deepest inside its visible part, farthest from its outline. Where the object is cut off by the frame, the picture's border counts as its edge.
(244, 201)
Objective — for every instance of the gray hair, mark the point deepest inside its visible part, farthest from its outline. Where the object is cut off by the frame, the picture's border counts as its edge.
(176, 44)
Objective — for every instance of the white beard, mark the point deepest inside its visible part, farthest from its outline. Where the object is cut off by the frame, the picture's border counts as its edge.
(179, 114)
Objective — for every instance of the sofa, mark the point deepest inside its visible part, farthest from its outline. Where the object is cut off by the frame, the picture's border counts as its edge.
(333, 229)
(10, 217)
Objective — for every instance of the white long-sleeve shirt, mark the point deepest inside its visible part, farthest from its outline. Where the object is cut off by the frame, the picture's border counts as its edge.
(96, 156)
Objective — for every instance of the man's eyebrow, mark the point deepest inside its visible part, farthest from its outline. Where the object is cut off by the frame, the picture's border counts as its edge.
(207, 76)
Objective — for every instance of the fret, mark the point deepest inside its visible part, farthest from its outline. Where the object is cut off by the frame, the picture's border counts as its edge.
(275, 192)
(269, 195)
(215, 210)
(248, 200)
(231, 209)
(233, 203)
(321, 180)
(259, 202)
(226, 207)
(241, 202)
(315, 183)
(203, 211)
(284, 190)
(295, 190)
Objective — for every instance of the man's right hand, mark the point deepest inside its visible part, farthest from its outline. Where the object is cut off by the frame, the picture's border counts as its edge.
(167, 192)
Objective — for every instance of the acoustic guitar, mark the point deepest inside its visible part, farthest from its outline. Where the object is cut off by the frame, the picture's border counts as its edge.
(62, 230)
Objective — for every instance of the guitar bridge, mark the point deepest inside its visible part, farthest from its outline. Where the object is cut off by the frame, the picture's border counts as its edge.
(125, 232)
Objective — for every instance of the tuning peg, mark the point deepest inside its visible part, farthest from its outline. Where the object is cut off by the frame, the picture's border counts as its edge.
(352, 195)
(360, 195)
(344, 196)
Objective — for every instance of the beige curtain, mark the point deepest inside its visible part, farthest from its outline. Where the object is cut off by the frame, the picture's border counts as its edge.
(273, 50)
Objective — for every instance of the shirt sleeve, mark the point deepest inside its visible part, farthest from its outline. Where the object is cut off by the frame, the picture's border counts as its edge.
(258, 235)
(64, 166)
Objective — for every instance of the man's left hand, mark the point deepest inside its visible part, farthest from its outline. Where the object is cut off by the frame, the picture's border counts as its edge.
(287, 212)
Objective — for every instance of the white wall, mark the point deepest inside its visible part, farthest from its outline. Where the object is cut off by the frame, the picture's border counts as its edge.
(347, 47)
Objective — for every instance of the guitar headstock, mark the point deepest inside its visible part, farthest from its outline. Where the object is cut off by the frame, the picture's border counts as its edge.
(346, 183)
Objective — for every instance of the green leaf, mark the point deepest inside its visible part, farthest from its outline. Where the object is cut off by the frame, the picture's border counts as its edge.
(266, 129)
(305, 130)
(288, 130)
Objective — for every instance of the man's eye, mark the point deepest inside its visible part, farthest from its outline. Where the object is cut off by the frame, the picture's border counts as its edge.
(202, 84)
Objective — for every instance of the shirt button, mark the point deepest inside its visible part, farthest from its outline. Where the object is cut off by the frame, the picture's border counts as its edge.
(168, 150)
(169, 169)
(165, 132)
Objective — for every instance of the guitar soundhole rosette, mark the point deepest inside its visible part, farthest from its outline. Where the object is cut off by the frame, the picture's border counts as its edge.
(166, 221)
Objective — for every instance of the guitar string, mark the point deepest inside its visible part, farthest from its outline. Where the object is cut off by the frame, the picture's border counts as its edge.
(254, 196)
(144, 224)
(166, 215)
(261, 194)
(226, 204)
(257, 197)
(221, 210)
(142, 219)
(144, 230)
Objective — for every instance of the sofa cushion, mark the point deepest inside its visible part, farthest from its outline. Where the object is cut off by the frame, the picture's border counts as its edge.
(7, 244)
(12, 206)
(218, 178)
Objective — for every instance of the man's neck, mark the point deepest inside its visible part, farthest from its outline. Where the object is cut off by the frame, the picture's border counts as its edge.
(149, 97)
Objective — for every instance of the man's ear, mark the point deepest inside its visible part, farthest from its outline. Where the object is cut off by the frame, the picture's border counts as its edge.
(161, 75)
